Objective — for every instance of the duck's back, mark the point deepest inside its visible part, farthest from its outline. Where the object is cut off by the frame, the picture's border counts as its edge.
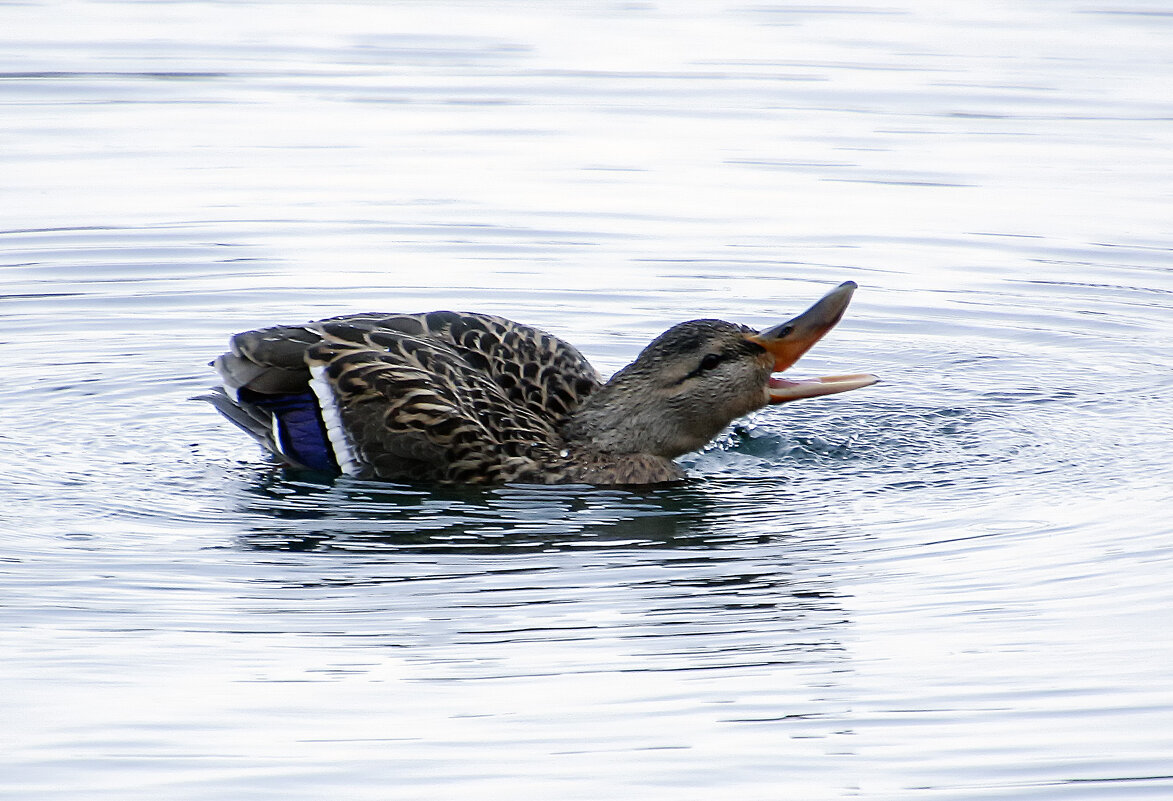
(440, 396)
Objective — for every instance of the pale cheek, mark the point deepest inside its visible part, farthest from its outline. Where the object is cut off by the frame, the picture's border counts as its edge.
(733, 408)
(755, 402)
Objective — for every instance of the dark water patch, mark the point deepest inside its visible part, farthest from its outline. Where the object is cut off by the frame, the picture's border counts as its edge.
(355, 516)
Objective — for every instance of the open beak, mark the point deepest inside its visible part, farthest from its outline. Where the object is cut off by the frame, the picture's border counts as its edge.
(787, 342)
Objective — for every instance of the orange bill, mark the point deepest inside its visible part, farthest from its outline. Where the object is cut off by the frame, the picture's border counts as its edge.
(790, 340)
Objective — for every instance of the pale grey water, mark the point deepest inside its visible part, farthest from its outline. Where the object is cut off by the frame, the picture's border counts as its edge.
(953, 585)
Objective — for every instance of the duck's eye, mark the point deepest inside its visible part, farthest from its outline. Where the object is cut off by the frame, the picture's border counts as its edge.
(710, 361)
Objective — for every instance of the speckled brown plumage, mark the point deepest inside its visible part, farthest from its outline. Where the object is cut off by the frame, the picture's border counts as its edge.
(442, 396)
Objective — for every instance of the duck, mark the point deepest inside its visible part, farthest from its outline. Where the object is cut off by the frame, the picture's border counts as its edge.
(466, 398)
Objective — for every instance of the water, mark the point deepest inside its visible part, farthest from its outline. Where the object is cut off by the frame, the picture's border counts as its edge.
(953, 585)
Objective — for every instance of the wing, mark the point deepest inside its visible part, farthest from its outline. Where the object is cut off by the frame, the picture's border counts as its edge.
(398, 407)
(533, 368)
(437, 396)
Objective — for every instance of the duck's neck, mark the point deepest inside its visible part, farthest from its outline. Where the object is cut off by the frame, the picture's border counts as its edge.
(626, 417)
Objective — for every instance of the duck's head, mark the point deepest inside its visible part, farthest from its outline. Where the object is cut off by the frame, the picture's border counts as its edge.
(699, 376)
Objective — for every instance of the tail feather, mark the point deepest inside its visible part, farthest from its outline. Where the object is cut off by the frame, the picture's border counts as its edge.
(255, 422)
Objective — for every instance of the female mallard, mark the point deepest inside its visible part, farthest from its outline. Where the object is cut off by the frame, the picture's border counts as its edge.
(473, 398)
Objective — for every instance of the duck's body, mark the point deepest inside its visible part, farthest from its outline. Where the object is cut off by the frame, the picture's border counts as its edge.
(473, 398)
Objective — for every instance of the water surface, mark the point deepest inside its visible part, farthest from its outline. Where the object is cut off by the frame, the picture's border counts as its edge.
(952, 585)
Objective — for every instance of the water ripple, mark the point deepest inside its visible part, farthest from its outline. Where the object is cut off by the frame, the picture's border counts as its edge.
(951, 584)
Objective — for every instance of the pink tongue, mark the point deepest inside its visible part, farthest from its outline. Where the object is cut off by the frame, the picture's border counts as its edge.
(782, 383)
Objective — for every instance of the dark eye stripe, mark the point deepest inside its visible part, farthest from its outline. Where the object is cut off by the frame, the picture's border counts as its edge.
(709, 361)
